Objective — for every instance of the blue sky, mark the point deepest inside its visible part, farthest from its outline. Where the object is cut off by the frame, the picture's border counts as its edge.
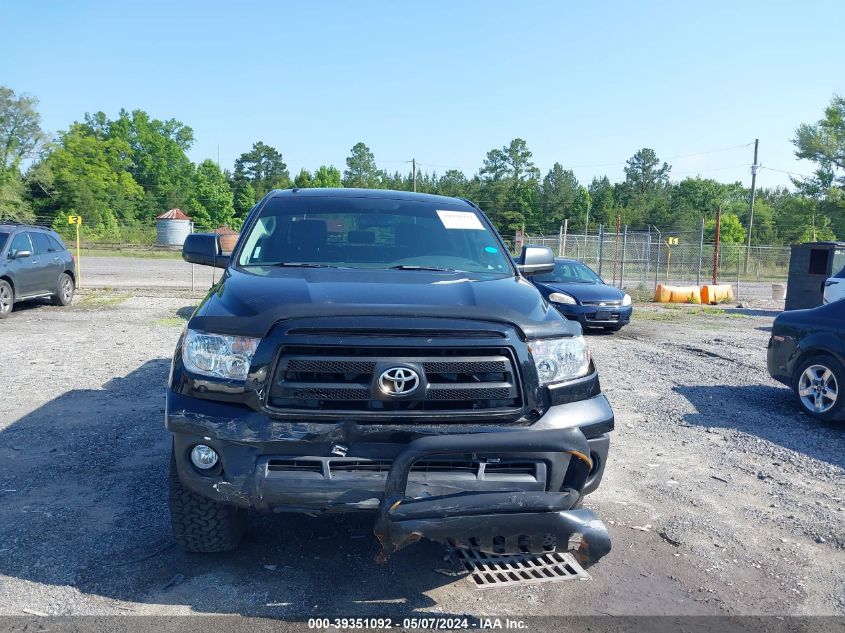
(586, 84)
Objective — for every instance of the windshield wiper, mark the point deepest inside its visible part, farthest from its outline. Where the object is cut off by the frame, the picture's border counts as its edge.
(431, 268)
(303, 265)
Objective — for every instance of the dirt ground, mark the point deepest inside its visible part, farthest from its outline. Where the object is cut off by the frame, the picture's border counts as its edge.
(721, 498)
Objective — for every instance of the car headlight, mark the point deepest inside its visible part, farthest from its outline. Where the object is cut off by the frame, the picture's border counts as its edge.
(560, 359)
(626, 300)
(559, 297)
(218, 355)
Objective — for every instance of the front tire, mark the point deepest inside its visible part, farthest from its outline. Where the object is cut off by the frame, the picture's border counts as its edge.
(7, 299)
(200, 524)
(818, 385)
(64, 292)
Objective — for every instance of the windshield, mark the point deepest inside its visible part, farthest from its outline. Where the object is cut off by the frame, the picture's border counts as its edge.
(372, 233)
(570, 272)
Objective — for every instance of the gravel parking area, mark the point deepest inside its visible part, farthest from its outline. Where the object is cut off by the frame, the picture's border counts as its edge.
(721, 498)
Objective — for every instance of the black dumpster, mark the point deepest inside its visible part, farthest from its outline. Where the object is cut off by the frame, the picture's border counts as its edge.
(810, 265)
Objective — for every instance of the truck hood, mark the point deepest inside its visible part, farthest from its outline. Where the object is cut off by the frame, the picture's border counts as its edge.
(249, 302)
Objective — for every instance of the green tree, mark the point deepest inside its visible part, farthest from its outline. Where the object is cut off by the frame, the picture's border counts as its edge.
(453, 183)
(244, 200)
(90, 174)
(264, 167)
(582, 206)
(361, 170)
(509, 186)
(13, 202)
(20, 138)
(327, 176)
(603, 208)
(643, 196)
(797, 218)
(644, 173)
(824, 144)
(731, 232)
(560, 192)
(303, 179)
(210, 203)
(20, 128)
(158, 155)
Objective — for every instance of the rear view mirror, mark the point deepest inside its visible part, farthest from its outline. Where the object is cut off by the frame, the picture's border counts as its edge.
(204, 249)
(21, 254)
(536, 259)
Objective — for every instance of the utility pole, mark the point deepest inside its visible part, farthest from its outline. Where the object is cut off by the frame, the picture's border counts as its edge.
(751, 214)
(414, 171)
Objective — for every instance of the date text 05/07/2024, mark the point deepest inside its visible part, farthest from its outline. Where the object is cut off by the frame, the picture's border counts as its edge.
(432, 623)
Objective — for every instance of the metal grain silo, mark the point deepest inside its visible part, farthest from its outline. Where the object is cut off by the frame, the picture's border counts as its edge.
(172, 228)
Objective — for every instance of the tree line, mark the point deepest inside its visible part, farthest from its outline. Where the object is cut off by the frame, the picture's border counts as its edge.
(120, 173)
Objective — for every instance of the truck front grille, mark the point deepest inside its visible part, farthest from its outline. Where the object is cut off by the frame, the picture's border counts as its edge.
(337, 380)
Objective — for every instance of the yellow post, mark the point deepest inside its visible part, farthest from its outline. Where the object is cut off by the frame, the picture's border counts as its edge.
(671, 241)
(77, 220)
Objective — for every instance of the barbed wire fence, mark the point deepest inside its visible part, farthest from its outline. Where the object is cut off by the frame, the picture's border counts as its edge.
(638, 260)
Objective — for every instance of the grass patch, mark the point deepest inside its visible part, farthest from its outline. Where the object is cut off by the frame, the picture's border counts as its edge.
(140, 253)
(170, 322)
(107, 298)
(669, 312)
(657, 315)
(179, 318)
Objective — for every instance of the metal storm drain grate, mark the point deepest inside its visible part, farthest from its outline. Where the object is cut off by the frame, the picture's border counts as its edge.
(499, 570)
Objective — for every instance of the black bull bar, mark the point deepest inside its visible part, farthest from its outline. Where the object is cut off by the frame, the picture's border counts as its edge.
(495, 522)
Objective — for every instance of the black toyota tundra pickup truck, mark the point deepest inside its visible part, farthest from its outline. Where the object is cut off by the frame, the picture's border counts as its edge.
(381, 351)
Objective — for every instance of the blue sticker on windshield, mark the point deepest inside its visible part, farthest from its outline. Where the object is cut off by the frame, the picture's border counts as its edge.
(491, 249)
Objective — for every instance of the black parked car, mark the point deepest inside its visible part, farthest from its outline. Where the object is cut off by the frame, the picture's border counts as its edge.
(34, 262)
(580, 294)
(807, 352)
(380, 351)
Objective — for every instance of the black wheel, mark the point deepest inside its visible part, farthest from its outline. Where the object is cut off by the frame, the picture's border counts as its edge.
(200, 524)
(64, 292)
(817, 384)
(7, 299)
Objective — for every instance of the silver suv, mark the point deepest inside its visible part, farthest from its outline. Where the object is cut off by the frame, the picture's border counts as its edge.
(34, 262)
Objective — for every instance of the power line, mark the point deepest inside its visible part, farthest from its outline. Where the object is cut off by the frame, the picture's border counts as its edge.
(784, 171)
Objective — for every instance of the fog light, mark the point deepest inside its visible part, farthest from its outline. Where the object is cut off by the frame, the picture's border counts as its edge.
(204, 457)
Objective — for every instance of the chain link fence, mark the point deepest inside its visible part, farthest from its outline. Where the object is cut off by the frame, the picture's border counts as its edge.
(638, 260)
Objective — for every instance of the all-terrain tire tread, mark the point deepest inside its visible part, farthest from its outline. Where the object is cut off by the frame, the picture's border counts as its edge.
(200, 524)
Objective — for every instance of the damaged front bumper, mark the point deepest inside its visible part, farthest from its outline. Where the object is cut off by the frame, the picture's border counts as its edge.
(494, 522)
(279, 466)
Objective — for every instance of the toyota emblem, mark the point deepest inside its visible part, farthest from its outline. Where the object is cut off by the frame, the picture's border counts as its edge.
(398, 381)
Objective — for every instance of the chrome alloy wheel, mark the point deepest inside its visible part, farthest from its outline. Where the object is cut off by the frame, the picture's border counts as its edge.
(818, 389)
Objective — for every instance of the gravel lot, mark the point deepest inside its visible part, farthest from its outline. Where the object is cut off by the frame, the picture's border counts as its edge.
(721, 498)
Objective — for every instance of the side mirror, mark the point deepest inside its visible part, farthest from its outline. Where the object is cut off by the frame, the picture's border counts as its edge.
(204, 249)
(21, 254)
(536, 259)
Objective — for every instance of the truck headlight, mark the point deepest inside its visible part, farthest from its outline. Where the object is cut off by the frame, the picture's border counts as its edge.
(560, 359)
(626, 300)
(218, 355)
(559, 297)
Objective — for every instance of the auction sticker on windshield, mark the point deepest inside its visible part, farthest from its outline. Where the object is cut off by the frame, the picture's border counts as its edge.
(460, 220)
